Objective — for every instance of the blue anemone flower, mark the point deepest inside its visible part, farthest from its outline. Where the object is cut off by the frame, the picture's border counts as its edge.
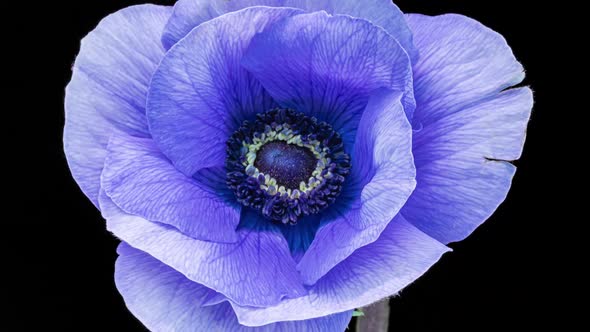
(274, 164)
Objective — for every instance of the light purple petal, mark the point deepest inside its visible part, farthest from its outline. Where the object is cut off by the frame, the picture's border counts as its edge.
(109, 86)
(164, 300)
(328, 66)
(382, 179)
(190, 13)
(461, 165)
(461, 63)
(200, 93)
(141, 181)
(400, 255)
(466, 126)
(256, 271)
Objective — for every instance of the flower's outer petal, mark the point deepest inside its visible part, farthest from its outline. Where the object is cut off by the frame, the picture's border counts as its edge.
(461, 63)
(200, 93)
(109, 86)
(328, 66)
(467, 127)
(400, 255)
(384, 13)
(256, 271)
(141, 181)
(461, 165)
(165, 300)
(382, 179)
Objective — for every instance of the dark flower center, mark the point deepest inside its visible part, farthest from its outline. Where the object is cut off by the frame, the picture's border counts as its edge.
(286, 165)
(289, 164)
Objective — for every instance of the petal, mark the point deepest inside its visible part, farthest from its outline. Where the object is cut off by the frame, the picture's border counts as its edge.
(382, 180)
(328, 66)
(400, 255)
(165, 300)
(461, 62)
(109, 86)
(200, 93)
(190, 13)
(301, 235)
(467, 125)
(256, 271)
(141, 181)
(461, 165)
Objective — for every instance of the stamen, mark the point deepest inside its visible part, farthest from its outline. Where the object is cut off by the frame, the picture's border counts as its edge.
(286, 165)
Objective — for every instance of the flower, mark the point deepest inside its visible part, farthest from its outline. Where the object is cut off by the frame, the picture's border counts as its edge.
(279, 163)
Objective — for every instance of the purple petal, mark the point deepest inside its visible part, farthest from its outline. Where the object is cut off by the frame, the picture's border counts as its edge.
(165, 300)
(301, 235)
(109, 86)
(256, 271)
(200, 93)
(141, 181)
(461, 62)
(468, 127)
(461, 169)
(382, 180)
(190, 13)
(400, 255)
(328, 66)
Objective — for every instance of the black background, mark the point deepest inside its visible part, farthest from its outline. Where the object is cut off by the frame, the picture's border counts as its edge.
(495, 279)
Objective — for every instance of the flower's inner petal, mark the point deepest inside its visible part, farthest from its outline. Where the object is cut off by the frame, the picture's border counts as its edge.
(384, 13)
(200, 93)
(108, 89)
(140, 180)
(381, 269)
(301, 235)
(255, 271)
(328, 66)
(382, 179)
(468, 127)
(165, 300)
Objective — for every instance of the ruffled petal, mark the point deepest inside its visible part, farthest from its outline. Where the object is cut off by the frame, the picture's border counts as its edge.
(109, 86)
(200, 93)
(328, 66)
(400, 255)
(461, 63)
(468, 130)
(383, 178)
(165, 300)
(384, 13)
(141, 181)
(256, 271)
(462, 165)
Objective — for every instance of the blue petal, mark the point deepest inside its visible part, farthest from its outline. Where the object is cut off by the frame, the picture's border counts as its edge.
(301, 235)
(108, 88)
(256, 271)
(200, 93)
(400, 255)
(190, 13)
(468, 126)
(382, 180)
(141, 181)
(328, 66)
(462, 62)
(164, 300)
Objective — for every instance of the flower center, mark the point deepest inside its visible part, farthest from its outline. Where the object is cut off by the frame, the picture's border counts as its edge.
(286, 165)
(289, 164)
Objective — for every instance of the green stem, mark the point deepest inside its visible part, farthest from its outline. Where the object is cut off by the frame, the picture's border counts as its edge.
(376, 318)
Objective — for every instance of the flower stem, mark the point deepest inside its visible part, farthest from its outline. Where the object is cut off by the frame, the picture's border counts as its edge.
(376, 318)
